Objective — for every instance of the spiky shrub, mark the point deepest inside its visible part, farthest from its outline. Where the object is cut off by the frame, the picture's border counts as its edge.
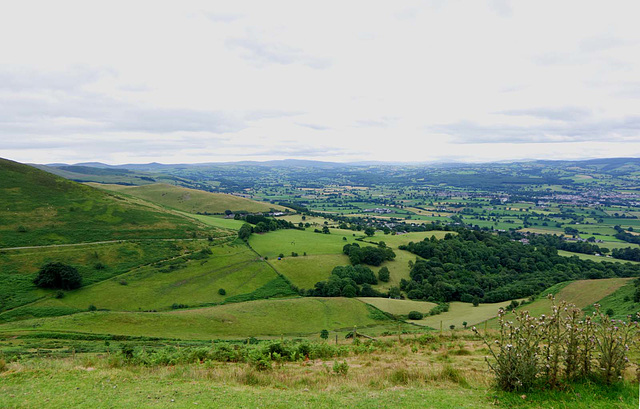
(561, 347)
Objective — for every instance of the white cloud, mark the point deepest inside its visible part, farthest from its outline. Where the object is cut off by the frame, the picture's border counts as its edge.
(199, 81)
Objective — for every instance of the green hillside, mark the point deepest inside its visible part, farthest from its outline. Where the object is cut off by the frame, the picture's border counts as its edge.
(298, 316)
(38, 208)
(189, 280)
(191, 200)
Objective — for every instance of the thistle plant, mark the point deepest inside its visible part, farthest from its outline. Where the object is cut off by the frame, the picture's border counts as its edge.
(557, 348)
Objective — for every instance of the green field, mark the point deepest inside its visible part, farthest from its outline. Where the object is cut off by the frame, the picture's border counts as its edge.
(582, 293)
(286, 241)
(95, 263)
(191, 200)
(217, 221)
(460, 312)
(234, 268)
(306, 271)
(398, 307)
(621, 302)
(594, 258)
(291, 317)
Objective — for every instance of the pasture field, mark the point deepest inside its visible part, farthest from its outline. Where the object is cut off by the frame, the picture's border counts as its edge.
(460, 312)
(262, 318)
(621, 302)
(582, 293)
(191, 200)
(396, 240)
(398, 269)
(306, 271)
(234, 268)
(95, 263)
(398, 307)
(273, 243)
(594, 258)
(217, 221)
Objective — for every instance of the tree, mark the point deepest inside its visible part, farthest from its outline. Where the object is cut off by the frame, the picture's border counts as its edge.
(464, 324)
(325, 230)
(58, 275)
(324, 334)
(228, 212)
(222, 291)
(245, 231)
(383, 275)
(369, 231)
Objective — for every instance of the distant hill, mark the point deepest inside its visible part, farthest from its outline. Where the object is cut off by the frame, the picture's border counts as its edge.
(191, 200)
(38, 208)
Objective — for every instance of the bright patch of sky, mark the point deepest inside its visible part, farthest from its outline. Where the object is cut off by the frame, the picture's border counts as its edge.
(189, 81)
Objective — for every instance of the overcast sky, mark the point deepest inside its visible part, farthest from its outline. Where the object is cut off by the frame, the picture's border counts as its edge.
(136, 82)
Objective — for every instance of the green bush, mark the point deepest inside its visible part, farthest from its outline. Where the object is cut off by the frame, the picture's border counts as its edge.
(415, 315)
(340, 368)
(222, 291)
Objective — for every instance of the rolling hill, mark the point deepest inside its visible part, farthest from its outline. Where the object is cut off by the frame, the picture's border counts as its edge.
(191, 200)
(38, 208)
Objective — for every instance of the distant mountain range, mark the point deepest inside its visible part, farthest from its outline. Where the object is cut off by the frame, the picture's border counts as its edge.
(303, 163)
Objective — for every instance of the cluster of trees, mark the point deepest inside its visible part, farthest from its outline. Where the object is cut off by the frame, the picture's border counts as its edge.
(628, 253)
(261, 224)
(475, 266)
(347, 281)
(582, 247)
(374, 256)
(625, 236)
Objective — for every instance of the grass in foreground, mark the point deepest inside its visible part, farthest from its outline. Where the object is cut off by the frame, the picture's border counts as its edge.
(387, 375)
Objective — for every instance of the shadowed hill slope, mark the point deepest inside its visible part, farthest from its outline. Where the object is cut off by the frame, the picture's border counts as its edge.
(38, 208)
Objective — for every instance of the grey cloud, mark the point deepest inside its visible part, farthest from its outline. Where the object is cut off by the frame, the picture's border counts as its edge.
(315, 127)
(261, 53)
(602, 43)
(376, 123)
(625, 129)
(222, 17)
(35, 110)
(14, 78)
(301, 151)
(557, 114)
(501, 7)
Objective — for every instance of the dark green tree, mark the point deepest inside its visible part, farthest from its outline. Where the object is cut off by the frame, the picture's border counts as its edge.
(58, 275)
(383, 275)
(245, 231)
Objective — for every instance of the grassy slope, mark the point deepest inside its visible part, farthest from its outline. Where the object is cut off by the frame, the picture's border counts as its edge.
(398, 307)
(324, 252)
(460, 312)
(582, 293)
(236, 269)
(18, 268)
(38, 208)
(191, 200)
(299, 316)
(621, 302)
